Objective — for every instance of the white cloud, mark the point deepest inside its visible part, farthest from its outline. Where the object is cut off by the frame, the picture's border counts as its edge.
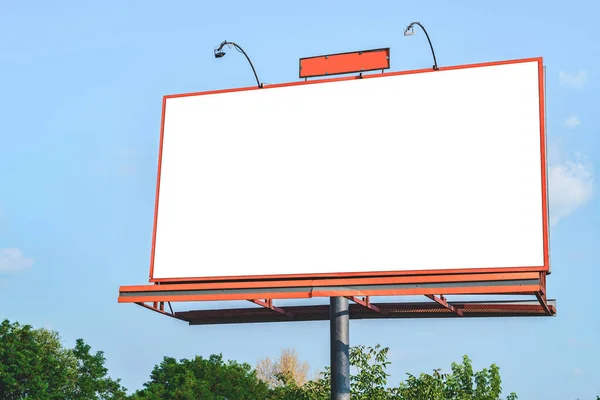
(571, 184)
(11, 259)
(572, 122)
(573, 81)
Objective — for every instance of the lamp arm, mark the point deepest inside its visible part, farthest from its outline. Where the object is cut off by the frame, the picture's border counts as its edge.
(237, 46)
(435, 66)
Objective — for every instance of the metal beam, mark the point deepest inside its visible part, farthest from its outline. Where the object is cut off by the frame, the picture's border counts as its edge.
(402, 286)
(342, 281)
(473, 309)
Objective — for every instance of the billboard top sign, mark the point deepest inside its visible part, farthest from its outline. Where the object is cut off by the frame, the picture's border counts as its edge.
(416, 172)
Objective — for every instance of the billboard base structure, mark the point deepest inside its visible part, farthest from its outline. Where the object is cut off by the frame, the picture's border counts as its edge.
(360, 291)
(339, 311)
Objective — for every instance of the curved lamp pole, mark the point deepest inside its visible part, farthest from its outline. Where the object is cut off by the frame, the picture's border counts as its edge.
(410, 30)
(219, 53)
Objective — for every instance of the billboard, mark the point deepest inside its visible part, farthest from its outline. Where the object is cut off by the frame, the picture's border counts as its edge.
(412, 172)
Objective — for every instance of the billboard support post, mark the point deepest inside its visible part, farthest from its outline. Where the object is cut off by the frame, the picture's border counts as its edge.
(339, 313)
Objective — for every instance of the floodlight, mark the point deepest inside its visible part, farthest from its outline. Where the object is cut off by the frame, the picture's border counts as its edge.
(410, 31)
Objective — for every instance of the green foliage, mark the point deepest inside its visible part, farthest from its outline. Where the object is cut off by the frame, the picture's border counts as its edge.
(201, 378)
(92, 380)
(34, 364)
(319, 389)
(461, 384)
(369, 382)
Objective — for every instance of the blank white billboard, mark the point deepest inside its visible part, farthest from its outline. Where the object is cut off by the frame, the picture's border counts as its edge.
(405, 172)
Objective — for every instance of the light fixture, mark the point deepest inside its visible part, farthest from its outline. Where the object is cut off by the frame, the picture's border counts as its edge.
(219, 53)
(410, 30)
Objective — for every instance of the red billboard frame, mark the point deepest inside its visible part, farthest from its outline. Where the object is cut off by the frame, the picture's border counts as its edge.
(262, 278)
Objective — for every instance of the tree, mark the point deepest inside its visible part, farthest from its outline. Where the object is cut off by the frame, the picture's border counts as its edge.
(462, 383)
(289, 390)
(201, 378)
(367, 383)
(92, 380)
(284, 370)
(370, 381)
(34, 364)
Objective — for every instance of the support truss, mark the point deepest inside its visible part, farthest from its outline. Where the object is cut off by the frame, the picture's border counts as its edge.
(541, 295)
(365, 302)
(159, 307)
(268, 303)
(442, 301)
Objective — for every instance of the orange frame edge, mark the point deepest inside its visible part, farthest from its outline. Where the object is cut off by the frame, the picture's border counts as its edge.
(545, 217)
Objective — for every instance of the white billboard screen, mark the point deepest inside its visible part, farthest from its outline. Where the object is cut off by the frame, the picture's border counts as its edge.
(421, 171)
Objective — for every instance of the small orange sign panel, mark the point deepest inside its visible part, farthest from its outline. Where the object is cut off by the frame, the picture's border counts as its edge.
(345, 63)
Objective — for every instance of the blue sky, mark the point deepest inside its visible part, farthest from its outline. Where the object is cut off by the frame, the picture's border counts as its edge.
(82, 85)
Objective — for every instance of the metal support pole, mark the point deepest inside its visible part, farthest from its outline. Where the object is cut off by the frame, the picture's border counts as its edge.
(339, 317)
